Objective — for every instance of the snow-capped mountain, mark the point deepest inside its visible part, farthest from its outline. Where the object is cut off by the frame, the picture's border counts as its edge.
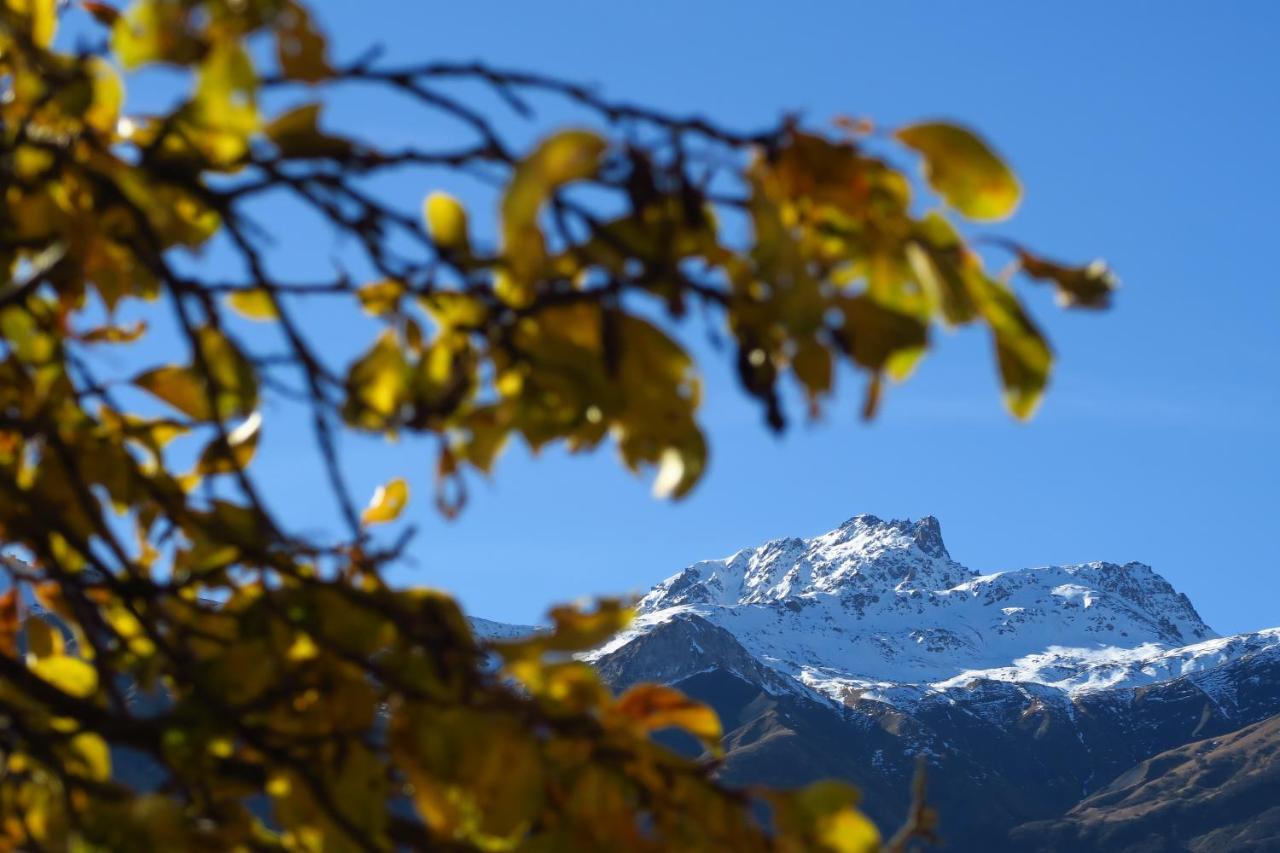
(851, 653)
(881, 606)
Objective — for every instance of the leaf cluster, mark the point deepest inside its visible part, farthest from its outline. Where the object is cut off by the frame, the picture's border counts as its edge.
(277, 691)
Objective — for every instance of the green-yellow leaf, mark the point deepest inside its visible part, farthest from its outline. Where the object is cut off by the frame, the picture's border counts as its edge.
(376, 384)
(882, 339)
(224, 112)
(151, 30)
(179, 387)
(1022, 354)
(297, 134)
(964, 170)
(235, 378)
(388, 502)
(562, 158)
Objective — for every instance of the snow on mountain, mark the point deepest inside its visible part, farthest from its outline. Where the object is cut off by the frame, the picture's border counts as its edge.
(881, 607)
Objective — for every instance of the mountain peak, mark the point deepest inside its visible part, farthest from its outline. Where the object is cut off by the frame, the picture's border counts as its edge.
(883, 600)
(926, 532)
(928, 537)
(863, 559)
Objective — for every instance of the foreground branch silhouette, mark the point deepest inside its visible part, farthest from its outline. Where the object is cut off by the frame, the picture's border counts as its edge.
(197, 675)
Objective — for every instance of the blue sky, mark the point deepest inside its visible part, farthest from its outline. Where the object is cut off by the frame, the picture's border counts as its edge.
(1143, 134)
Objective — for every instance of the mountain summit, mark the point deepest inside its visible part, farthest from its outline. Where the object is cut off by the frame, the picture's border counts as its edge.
(875, 604)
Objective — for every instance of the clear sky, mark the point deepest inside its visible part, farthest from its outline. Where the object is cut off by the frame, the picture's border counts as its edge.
(1144, 133)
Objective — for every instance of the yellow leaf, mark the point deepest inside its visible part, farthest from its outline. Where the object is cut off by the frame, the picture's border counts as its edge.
(849, 831)
(451, 309)
(41, 19)
(381, 297)
(304, 648)
(376, 384)
(446, 220)
(964, 170)
(253, 304)
(654, 706)
(91, 752)
(224, 112)
(70, 675)
(108, 96)
(387, 503)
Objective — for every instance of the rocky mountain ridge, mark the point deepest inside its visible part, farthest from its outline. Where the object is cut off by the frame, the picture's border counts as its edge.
(880, 607)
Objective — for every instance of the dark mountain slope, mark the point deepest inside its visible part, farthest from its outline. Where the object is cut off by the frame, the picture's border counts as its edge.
(1218, 794)
(999, 754)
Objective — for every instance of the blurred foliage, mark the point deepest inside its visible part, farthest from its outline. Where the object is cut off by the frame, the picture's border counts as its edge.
(273, 689)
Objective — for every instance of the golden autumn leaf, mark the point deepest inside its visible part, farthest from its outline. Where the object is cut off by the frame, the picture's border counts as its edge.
(387, 503)
(381, 297)
(71, 675)
(92, 756)
(255, 304)
(655, 706)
